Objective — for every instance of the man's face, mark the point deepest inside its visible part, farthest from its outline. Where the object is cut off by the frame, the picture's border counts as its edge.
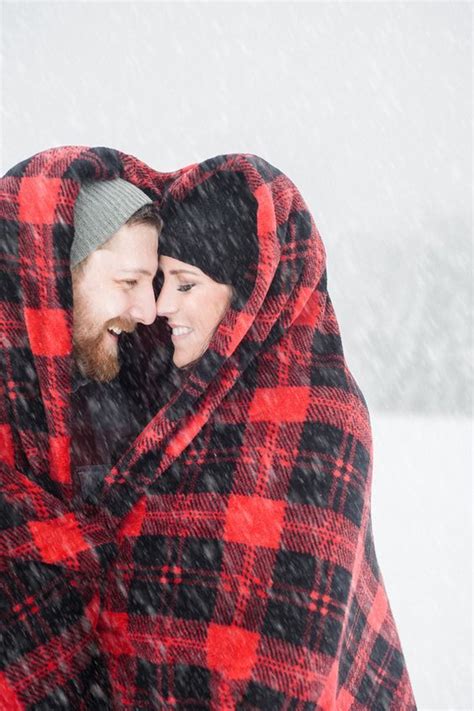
(112, 292)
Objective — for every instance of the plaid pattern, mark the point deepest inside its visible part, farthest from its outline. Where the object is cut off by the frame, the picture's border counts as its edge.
(229, 563)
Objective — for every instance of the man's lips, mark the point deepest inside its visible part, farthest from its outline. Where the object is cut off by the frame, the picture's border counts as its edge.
(117, 329)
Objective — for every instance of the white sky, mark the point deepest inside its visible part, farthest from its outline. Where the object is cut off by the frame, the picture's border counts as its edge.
(366, 106)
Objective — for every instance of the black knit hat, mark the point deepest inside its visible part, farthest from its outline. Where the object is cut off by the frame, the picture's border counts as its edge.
(214, 228)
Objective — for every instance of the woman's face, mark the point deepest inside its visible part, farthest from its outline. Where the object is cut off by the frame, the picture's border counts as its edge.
(193, 304)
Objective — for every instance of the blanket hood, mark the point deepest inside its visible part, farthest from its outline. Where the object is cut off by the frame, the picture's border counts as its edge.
(289, 290)
(36, 211)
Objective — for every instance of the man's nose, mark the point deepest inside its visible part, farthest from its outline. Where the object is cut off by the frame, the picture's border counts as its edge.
(143, 309)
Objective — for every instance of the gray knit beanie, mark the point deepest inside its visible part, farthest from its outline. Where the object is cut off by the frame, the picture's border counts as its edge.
(101, 209)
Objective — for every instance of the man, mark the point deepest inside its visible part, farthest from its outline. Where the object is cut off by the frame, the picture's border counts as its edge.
(56, 222)
(114, 259)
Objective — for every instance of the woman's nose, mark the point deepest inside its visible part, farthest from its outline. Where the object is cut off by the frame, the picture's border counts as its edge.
(165, 304)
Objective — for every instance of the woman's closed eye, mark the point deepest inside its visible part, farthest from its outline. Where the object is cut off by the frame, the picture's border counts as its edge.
(185, 287)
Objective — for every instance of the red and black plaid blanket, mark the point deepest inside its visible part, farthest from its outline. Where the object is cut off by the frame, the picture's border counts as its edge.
(229, 563)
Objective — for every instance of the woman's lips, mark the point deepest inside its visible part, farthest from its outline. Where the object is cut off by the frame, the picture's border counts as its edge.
(180, 331)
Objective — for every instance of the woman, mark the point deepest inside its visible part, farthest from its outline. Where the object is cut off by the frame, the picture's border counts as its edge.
(207, 252)
(255, 584)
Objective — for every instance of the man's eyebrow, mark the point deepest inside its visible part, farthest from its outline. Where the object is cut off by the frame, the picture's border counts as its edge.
(137, 271)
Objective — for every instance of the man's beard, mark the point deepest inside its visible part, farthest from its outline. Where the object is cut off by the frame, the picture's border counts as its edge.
(94, 353)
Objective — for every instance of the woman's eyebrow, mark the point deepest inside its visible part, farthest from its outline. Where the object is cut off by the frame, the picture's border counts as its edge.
(182, 271)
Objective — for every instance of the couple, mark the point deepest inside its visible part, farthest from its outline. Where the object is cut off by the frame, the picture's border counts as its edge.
(226, 561)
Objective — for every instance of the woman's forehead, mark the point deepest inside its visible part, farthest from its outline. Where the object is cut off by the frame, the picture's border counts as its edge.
(173, 266)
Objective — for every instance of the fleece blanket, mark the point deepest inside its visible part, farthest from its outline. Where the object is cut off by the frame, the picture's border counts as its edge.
(229, 563)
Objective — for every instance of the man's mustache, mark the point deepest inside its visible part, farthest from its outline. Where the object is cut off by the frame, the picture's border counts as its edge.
(127, 325)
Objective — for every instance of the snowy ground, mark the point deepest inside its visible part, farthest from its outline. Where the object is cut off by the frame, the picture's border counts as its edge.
(422, 519)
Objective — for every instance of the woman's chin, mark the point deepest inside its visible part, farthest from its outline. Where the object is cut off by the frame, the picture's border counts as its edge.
(180, 360)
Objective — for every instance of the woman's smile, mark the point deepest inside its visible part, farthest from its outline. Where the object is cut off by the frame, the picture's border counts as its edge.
(179, 331)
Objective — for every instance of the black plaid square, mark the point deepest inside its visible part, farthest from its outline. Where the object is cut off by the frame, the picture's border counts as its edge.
(323, 283)
(191, 682)
(345, 665)
(340, 584)
(58, 700)
(9, 241)
(10, 515)
(149, 597)
(30, 411)
(83, 169)
(371, 694)
(195, 602)
(226, 436)
(285, 621)
(10, 287)
(329, 376)
(356, 626)
(267, 171)
(326, 343)
(300, 223)
(385, 656)
(289, 266)
(311, 481)
(62, 239)
(378, 684)
(23, 366)
(309, 484)
(120, 499)
(169, 482)
(295, 569)
(361, 460)
(32, 576)
(19, 169)
(19, 639)
(64, 611)
(64, 290)
(154, 551)
(369, 549)
(262, 697)
(202, 554)
(146, 465)
(325, 634)
(94, 684)
(152, 685)
(217, 472)
(216, 478)
(318, 437)
(146, 674)
(353, 505)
